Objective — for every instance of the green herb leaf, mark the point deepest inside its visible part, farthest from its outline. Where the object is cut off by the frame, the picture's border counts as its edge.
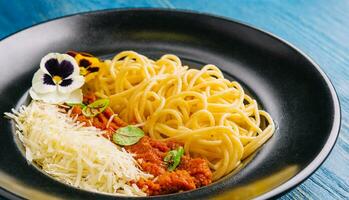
(173, 158)
(95, 108)
(127, 135)
(76, 104)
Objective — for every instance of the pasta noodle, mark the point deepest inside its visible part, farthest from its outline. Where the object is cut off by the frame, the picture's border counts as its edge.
(213, 117)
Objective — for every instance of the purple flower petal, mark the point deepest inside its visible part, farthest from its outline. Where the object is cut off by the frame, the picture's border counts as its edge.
(63, 69)
(52, 66)
(66, 68)
(84, 63)
(93, 69)
(72, 53)
(86, 54)
(66, 82)
(48, 80)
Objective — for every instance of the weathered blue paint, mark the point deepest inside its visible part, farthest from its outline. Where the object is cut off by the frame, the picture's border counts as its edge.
(320, 28)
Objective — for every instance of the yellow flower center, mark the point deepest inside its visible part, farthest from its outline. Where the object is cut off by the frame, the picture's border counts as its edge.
(57, 79)
(83, 71)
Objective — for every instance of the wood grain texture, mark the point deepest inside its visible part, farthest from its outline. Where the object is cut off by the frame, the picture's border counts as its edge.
(320, 28)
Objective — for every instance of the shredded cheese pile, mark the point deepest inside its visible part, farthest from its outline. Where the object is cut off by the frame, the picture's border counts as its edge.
(75, 154)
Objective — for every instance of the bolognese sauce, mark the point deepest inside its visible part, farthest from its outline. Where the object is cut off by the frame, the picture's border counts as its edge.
(191, 173)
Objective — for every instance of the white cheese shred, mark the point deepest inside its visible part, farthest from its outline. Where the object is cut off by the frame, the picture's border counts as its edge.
(111, 118)
(75, 154)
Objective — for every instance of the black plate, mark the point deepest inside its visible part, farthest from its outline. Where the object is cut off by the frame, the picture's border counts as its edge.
(289, 85)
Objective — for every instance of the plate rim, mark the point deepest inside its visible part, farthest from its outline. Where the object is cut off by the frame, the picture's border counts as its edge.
(302, 175)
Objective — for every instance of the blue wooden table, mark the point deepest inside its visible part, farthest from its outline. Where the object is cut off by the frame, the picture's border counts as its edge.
(320, 28)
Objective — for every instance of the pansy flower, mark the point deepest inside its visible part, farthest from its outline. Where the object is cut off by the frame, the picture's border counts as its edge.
(58, 80)
(89, 64)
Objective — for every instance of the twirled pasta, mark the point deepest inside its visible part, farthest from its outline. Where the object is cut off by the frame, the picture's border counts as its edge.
(210, 115)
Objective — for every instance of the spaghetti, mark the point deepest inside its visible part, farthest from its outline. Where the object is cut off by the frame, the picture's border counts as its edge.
(210, 115)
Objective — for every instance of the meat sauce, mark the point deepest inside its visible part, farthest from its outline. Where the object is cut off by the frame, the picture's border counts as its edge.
(99, 121)
(190, 174)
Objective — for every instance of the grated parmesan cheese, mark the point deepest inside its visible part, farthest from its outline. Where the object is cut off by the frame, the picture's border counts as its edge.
(77, 155)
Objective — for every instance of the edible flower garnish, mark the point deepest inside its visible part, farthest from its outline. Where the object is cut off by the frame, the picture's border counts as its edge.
(173, 158)
(89, 64)
(127, 135)
(58, 80)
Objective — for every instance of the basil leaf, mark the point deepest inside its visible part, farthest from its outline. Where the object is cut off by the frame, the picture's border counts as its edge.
(95, 108)
(173, 158)
(127, 135)
(100, 103)
(76, 104)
